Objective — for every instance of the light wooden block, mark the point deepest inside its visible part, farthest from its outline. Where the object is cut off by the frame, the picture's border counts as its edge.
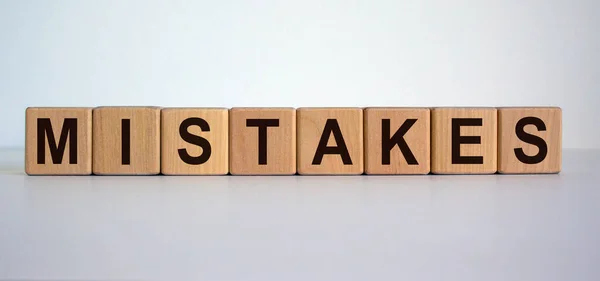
(335, 151)
(530, 140)
(464, 140)
(58, 141)
(397, 141)
(262, 141)
(194, 141)
(126, 140)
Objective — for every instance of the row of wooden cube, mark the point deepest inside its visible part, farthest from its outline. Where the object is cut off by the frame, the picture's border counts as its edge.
(286, 141)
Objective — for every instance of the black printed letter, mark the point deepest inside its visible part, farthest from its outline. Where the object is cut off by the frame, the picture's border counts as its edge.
(332, 126)
(125, 141)
(262, 125)
(531, 139)
(457, 140)
(193, 139)
(44, 127)
(388, 143)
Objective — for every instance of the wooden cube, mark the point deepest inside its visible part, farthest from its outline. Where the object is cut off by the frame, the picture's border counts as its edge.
(126, 140)
(464, 140)
(194, 141)
(530, 140)
(397, 141)
(58, 141)
(262, 141)
(331, 141)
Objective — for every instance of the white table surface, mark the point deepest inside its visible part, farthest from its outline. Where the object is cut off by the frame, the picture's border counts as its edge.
(493, 227)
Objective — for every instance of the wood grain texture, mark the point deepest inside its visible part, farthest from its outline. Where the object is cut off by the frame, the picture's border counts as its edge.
(280, 158)
(144, 140)
(417, 139)
(217, 136)
(441, 140)
(508, 140)
(311, 124)
(82, 164)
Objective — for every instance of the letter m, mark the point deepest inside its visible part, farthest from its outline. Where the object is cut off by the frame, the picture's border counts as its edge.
(44, 128)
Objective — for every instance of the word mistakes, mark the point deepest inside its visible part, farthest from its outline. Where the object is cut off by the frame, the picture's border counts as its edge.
(288, 141)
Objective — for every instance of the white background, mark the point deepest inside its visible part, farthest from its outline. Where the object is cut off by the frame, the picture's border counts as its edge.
(302, 53)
